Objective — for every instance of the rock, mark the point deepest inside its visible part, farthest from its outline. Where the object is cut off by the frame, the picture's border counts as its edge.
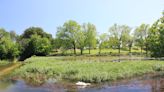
(51, 80)
(82, 84)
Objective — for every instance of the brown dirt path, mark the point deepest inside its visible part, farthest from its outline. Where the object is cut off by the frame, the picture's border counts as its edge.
(8, 68)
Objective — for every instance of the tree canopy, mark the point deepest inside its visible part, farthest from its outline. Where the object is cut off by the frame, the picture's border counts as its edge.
(119, 34)
(8, 48)
(69, 33)
(155, 38)
(34, 41)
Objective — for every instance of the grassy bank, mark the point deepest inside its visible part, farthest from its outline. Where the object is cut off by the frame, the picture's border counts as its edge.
(37, 69)
(6, 67)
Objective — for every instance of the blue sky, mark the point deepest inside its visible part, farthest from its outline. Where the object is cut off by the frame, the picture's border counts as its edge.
(49, 14)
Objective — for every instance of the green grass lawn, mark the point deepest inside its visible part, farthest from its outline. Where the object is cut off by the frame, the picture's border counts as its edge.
(37, 69)
(103, 51)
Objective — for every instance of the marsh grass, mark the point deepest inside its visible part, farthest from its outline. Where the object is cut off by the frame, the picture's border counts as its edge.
(41, 68)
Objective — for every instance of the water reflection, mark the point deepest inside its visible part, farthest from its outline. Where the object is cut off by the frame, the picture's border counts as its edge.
(150, 83)
(18, 86)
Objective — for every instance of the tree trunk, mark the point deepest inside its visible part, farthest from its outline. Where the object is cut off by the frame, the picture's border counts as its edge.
(99, 50)
(141, 49)
(130, 49)
(74, 48)
(146, 50)
(81, 51)
(119, 49)
(89, 49)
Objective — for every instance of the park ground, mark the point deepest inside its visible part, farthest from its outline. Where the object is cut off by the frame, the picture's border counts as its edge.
(88, 68)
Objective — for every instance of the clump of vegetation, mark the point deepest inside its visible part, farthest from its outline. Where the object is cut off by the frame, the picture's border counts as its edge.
(87, 71)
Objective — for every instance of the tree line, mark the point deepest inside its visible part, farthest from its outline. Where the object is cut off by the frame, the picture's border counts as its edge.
(72, 35)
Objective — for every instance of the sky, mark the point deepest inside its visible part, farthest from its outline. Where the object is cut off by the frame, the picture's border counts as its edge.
(18, 15)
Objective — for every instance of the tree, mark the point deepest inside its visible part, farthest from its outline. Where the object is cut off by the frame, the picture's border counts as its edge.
(4, 33)
(56, 44)
(82, 38)
(130, 42)
(13, 36)
(155, 38)
(119, 33)
(68, 34)
(36, 46)
(34, 41)
(141, 34)
(103, 40)
(8, 48)
(35, 31)
(91, 33)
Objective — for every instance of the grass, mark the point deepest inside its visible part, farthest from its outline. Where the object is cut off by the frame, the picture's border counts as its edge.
(3, 63)
(39, 69)
(103, 52)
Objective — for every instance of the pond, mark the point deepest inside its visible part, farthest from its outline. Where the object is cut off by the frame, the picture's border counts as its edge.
(146, 83)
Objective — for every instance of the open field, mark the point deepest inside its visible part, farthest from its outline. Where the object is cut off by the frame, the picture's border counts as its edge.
(112, 52)
(39, 69)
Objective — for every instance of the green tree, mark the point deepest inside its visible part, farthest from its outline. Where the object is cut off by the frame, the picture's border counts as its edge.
(56, 44)
(13, 36)
(130, 42)
(4, 33)
(155, 38)
(68, 34)
(34, 41)
(103, 41)
(91, 34)
(141, 34)
(35, 31)
(8, 48)
(82, 39)
(112, 42)
(119, 34)
(36, 45)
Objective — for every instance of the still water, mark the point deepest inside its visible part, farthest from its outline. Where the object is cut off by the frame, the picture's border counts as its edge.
(147, 83)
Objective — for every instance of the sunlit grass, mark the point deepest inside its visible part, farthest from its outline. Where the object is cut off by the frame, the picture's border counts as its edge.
(3, 62)
(103, 52)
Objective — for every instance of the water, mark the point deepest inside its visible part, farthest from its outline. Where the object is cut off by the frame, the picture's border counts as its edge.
(147, 83)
